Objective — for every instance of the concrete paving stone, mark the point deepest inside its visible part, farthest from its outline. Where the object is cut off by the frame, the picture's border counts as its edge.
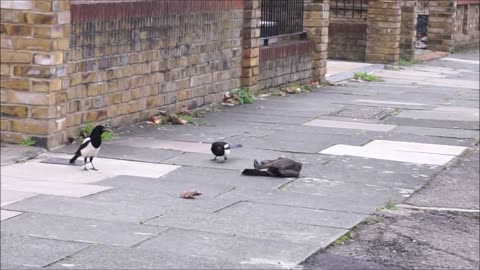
(390, 104)
(388, 154)
(410, 137)
(75, 174)
(327, 261)
(349, 125)
(11, 153)
(416, 147)
(134, 153)
(424, 80)
(273, 108)
(236, 249)
(282, 213)
(401, 121)
(439, 132)
(7, 214)
(355, 198)
(463, 61)
(313, 236)
(190, 147)
(439, 114)
(382, 166)
(258, 118)
(108, 257)
(130, 211)
(205, 161)
(80, 229)
(17, 266)
(30, 186)
(160, 191)
(198, 177)
(31, 251)
(306, 143)
(388, 178)
(10, 196)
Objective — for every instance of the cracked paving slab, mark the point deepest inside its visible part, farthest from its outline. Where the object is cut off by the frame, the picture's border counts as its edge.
(37, 252)
(82, 230)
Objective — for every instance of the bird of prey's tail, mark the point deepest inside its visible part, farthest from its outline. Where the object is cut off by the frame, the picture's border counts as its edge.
(77, 155)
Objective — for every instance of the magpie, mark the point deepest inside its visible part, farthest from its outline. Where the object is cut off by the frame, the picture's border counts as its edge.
(222, 149)
(90, 146)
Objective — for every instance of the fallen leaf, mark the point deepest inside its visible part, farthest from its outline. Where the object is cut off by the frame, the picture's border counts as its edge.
(189, 194)
(176, 120)
(185, 110)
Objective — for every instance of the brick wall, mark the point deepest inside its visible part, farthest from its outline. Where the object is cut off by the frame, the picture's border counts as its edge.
(467, 26)
(34, 46)
(156, 55)
(347, 39)
(289, 61)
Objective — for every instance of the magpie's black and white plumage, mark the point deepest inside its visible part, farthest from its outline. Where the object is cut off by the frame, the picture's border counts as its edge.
(90, 146)
(222, 149)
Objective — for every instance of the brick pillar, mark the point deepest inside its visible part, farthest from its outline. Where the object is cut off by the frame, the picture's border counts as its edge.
(251, 44)
(315, 23)
(408, 29)
(441, 25)
(34, 42)
(383, 31)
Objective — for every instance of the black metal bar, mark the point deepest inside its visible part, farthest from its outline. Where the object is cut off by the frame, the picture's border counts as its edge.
(281, 17)
(342, 8)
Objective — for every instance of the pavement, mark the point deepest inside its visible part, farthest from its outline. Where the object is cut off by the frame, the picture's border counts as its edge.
(363, 145)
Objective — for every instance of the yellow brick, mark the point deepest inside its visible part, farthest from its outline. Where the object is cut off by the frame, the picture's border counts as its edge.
(30, 126)
(15, 57)
(16, 29)
(14, 111)
(16, 84)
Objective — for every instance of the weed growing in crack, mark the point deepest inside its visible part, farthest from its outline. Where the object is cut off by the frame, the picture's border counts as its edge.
(364, 76)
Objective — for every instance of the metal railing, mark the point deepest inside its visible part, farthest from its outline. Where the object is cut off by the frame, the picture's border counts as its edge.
(281, 17)
(349, 8)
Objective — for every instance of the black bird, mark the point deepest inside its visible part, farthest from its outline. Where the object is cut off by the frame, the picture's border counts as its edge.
(222, 149)
(90, 146)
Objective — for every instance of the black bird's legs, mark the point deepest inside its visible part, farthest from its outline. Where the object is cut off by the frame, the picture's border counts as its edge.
(85, 164)
(91, 161)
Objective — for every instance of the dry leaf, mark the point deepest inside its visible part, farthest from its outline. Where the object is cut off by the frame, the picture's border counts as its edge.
(189, 194)
(176, 120)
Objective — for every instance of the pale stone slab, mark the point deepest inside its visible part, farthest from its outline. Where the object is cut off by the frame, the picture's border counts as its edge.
(473, 111)
(388, 154)
(471, 115)
(236, 249)
(32, 251)
(12, 196)
(6, 214)
(438, 132)
(80, 229)
(465, 61)
(389, 102)
(35, 170)
(416, 147)
(50, 187)
(350, 125)
(192, 147)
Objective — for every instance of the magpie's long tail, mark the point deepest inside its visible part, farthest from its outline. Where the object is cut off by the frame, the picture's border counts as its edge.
(77, 155)
(235, 146)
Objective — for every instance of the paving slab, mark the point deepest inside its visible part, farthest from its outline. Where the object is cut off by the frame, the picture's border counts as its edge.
(467, 114)
(388, 154)
(416, 147)
(237, 249)
(6, 214)
(12, 153)
(314, 236)
(10, 196)
(190, 147)
(350, 125)
(439, 132)
(30, 186)
(80, 229)
(205, 161)
(108, 257)
(133, 212)
(282, 213)
(258, 118)
(127, 152)
(402, 121)
(73, 174)
(354, 198)
(17, 266)
(32, 251)
(410, 137)
(311, 143)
